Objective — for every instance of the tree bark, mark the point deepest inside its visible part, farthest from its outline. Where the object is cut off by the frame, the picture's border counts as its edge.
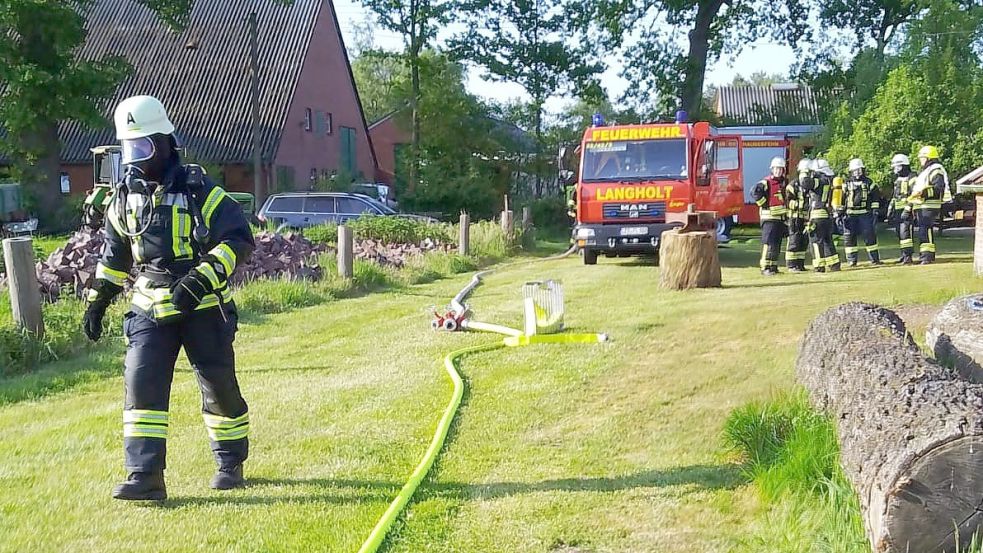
(42, 179)
(691, 93)
(910, 430)
(956, 337)
(688, 260)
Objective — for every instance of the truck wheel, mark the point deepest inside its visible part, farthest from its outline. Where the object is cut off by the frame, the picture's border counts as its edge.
(590, 257)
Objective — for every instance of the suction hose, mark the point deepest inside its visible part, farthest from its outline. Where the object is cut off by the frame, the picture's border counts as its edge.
(382, 527)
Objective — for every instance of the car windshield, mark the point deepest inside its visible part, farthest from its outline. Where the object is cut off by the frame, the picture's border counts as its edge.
(383, 207)
(634, 160)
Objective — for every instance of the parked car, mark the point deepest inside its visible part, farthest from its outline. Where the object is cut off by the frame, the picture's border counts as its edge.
(305, 209)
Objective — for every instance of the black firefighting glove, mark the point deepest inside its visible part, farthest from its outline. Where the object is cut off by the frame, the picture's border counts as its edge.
(189, 291)
(96, 311)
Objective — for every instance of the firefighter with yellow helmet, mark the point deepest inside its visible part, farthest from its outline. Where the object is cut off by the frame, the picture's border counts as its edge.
(931, 190)
(183, 237)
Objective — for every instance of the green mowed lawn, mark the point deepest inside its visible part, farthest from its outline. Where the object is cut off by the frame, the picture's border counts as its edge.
(582, 448)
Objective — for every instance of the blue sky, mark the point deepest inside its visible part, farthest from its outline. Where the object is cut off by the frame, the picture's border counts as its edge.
(763, 55)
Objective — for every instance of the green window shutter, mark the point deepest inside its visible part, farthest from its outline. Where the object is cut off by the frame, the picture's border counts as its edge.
(348, 154)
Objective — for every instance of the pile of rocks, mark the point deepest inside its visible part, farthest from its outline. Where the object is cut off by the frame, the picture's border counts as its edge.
(72, 268)
(287, 255)
(396, 255)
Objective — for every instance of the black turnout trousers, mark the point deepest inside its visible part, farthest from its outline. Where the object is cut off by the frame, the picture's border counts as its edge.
(152, 349)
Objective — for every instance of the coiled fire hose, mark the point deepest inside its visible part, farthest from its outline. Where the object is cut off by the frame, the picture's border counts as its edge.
(513, 338)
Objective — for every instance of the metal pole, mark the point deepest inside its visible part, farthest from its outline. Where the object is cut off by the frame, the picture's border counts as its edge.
(25, 296)
(254, 101)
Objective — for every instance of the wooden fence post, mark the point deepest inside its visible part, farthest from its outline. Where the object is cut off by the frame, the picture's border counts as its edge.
(346, 252)
(526, 218)
(464, 236)
(507, 223)
(25, 296)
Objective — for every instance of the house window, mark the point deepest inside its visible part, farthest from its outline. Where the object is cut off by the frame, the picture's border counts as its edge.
(329, 124)
(322, 123)
(307, 120)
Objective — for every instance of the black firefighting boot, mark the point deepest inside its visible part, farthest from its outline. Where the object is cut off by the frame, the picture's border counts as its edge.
(142, 486)
(875, 258)
(835, 267)
(228, 478)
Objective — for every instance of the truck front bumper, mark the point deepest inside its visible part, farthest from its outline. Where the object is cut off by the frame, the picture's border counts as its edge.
(620, 238)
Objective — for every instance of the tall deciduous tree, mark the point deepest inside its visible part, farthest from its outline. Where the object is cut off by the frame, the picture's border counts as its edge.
(526, 42)
(42, 82)
(668, 44)
(870, 21)
(418, 22)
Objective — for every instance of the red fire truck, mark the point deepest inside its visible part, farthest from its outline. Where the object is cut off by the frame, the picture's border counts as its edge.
(632, 178)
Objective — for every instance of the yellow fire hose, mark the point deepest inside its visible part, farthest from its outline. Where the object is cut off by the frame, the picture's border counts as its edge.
(514, 338)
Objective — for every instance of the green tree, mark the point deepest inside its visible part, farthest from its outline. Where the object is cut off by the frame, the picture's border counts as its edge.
(467, 157)
(43, 82)
(870, 21)
(377, 73)
(418, 22)
(666, 70)
(526, 42)
(934, 96)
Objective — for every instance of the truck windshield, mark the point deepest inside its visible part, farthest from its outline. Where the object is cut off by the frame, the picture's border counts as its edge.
(634, 161)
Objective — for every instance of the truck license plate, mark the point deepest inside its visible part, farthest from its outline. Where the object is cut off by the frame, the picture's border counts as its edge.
(634, 231)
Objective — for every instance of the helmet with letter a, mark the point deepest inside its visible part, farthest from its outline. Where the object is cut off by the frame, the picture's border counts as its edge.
(145, 132)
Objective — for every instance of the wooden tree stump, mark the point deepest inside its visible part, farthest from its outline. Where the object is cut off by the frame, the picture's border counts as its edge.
(688, 260)
(910, 430)
(956, 336)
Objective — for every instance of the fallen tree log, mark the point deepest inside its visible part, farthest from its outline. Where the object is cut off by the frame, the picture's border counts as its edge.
(910, 430)
(688, 260)
(956, 336)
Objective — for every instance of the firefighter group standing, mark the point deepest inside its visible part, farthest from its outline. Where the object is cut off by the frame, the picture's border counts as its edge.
(810, 206)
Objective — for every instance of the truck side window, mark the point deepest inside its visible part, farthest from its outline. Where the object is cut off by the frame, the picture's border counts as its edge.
(706, 163)
(727, 156)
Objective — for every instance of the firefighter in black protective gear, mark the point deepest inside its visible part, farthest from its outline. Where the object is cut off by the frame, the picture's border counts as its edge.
(901, 208)
(818, 187)
(769, 194)
(861, 201)
(798, 218)
(930, 191)
(184, 237)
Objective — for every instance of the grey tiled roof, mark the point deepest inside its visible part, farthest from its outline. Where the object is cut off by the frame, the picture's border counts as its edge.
(201, 74)
(752, 105)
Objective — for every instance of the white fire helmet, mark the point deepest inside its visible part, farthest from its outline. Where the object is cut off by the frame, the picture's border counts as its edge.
(856, 164)
(804, 164)
(900, 159)
(141, 116)
(778, 162)
(822, 166)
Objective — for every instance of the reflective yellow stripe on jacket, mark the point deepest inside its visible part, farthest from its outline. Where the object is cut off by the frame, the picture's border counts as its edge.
(156, 301)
